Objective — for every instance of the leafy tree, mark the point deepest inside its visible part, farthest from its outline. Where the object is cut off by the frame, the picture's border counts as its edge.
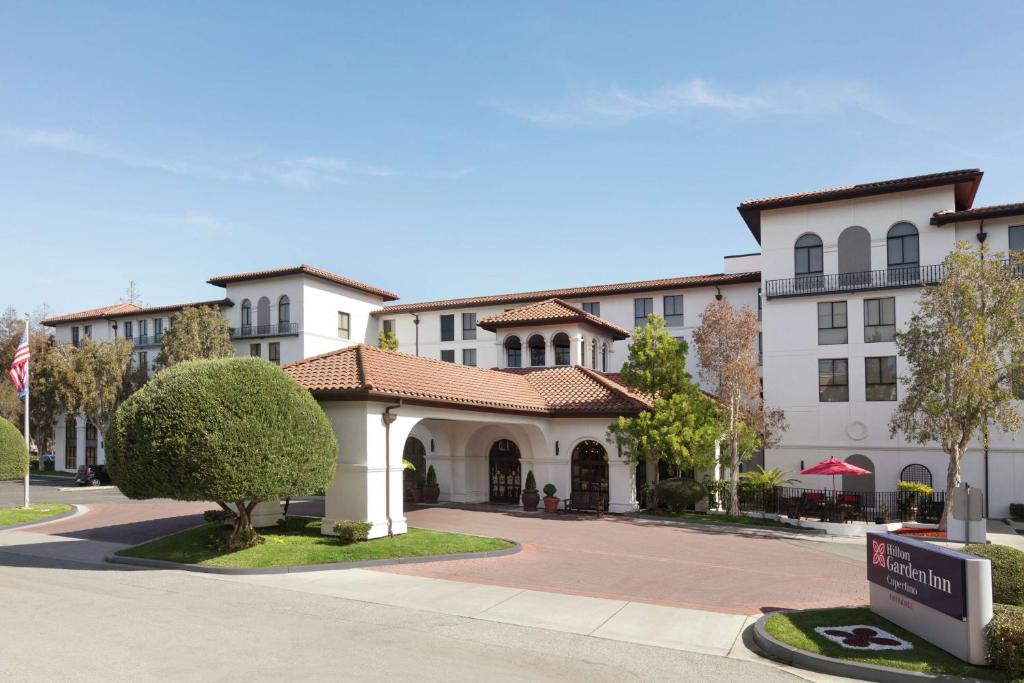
(92, 379)
(727, 351)
(681, 426)
(234, 430)
(963, 350)
(769, 478)
(197, 332)
(13, 453)
(387, 340)
(44, 405)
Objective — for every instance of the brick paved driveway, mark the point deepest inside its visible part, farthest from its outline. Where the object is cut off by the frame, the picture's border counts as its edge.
(627, 559)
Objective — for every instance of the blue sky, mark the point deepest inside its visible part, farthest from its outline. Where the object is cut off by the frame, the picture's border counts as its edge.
(467, 148)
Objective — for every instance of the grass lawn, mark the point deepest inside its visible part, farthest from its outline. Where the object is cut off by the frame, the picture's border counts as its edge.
(35, 512)
(718, 519)
(797, 629)
(54, 473)
(282, 549)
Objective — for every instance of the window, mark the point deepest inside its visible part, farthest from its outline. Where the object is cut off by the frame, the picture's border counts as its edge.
(75, 340)
(143, 328)
(880, 378)
(448, 355)
(127, 329)
(561, 343)
(674, 310)
(90, 445)
(604, 358)
(284, 311)
(344, 325)
(833, 380)
(808, 256)
(642, 308)
(901, 246)
(87, 331)
(144, 359)
(832, 322)
(70, 444)
(513, 353)
(389, 326)
(880, 319)
(1017, 238)
(469, 356)
(469, 325)
(592, 307)
(536, 345)
(916, 472)
(274, 352)
(255, 350)
(448, 327)
(246, 315)
(593, 354)
(158, 327)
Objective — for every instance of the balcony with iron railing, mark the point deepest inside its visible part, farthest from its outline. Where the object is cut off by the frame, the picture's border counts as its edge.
(147, 339)
(891, 278)
(276, 330)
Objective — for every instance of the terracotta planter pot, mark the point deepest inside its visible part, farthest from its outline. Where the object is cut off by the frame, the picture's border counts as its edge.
(431, 493)
(551, 503)
(417, 495)
(530, 500)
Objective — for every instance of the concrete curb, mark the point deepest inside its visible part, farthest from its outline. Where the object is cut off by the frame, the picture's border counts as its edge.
(788, 654)
(77, 489)
(735, 528)
(113, 558)
(45, 520)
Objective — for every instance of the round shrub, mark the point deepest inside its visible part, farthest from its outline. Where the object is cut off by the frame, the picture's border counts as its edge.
(13, 453)
(1007, 571)
(679, 493)
(550, 490)
(1005, 642)
(349, 531)
(230, 430)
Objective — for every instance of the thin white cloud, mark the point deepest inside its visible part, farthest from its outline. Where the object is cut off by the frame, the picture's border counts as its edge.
(619, 105)
(306, 172)
(452, 174)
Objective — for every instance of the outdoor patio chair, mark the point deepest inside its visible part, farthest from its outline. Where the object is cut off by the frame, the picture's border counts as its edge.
(851, 506)
(813, 504)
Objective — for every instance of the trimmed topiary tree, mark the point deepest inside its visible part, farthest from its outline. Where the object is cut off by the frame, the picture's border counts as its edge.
(679, 494)
(236, 431)
(13, 453)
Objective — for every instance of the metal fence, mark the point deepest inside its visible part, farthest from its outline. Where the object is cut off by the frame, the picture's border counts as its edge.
(894, 277)
(828, 505)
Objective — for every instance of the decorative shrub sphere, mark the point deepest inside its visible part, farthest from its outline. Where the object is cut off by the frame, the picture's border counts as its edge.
(13, 453)
(679, 493)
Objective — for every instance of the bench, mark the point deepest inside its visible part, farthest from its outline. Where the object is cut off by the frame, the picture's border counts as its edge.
(587, 501)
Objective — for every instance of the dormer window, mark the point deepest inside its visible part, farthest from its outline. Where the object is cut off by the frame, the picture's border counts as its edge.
(513, 352)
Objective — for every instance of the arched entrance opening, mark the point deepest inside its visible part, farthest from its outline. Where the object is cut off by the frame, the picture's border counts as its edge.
(505, 472)
(862, 483)
(590, 474)
(416, 453)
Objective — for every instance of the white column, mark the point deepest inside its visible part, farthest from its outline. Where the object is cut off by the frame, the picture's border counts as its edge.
(549, 355)
(576, 350)
(621, 484)
(79, 440)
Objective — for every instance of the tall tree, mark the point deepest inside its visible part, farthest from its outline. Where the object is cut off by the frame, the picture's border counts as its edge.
(91, 379)
(681, 427)
(963, 350)
(387, 340)
(198, 332)
(44, 404)
(727, 352)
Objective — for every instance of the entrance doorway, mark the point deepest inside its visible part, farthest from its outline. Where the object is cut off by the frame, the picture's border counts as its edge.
(505, 470)
(415, 453)
(590, 473)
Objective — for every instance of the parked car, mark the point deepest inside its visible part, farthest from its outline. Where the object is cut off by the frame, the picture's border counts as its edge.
(92, 475)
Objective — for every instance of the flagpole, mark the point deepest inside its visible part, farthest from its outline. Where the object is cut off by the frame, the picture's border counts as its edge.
(28, 441)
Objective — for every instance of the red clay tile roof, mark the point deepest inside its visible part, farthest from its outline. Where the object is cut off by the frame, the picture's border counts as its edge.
(303, 269)
(549, 312)
(366, 372)
(124, 310)
(977, 213)
(575, 292)
(966, 181)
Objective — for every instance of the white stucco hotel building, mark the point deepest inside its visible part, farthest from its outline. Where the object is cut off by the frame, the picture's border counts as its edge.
(837, 272)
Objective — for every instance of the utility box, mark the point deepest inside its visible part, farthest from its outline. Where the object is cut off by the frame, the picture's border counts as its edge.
(967, 523)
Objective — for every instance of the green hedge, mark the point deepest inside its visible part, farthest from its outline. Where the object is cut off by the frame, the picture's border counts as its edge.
(678, 493)
(1007, 571)
(13, 453)
(1005, 640)
(228, 429)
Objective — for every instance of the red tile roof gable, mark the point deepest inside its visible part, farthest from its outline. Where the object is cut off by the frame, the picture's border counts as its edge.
(303, 269)
(549, 312)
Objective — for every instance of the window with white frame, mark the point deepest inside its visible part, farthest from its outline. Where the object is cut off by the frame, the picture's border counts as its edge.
(833, 380)
(642, 307)
(880, 319)
(880, 378)
(469, 325)
(674, 310)
(469, 356)
(832, 322)
(344, 325)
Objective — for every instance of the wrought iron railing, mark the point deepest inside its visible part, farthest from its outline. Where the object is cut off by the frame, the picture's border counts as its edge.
(891, 278)
(276, 330)
(148, 339)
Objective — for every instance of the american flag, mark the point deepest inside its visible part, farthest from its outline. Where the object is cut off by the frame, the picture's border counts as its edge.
(19, 367)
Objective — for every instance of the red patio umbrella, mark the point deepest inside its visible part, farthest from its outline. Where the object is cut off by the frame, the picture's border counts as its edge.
(834, 467)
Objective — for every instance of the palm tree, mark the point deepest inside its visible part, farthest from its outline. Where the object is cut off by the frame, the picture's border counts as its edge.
(768, 478)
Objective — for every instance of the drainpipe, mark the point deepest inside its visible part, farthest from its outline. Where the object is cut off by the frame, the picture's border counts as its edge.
(388, 417)
(985, 433)
(416, 322)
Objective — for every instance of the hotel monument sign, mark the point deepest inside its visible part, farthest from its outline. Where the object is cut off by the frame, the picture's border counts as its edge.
(942, 595)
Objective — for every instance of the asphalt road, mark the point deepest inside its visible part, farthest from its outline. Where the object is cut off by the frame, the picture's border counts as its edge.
(66, 621)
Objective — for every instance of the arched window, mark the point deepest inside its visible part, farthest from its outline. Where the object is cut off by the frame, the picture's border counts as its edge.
(513, 352)
(561, 343)
(505, 472)
(284, 311)
(263, 315)
(590, 474)
(902, 246)
(536, 345)
(604, 358)
(808, 255)
(860, 483)
(918, 473)
(415, 453)
(593, 354)
(246, 317)
(854, 256)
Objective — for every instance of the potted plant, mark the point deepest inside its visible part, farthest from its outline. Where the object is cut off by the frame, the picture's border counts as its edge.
(913, 490)
(883, 514)
(431, 491)
(417, 489)
(531, 497)
(550, 501)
